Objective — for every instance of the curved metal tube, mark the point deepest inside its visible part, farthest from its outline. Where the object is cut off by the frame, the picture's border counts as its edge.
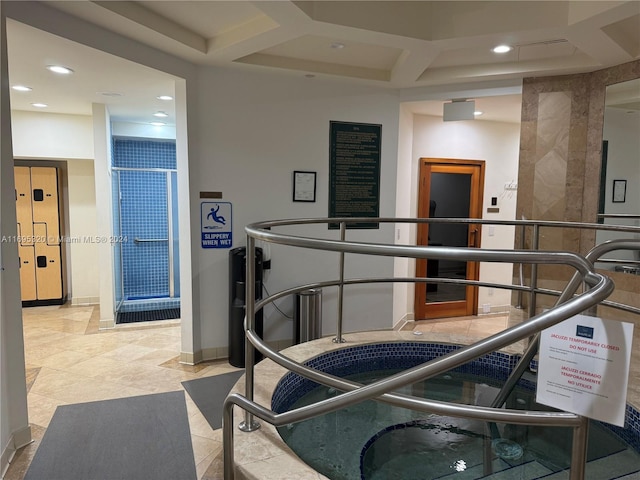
(601, 288)
(441, 253)
(441, 364)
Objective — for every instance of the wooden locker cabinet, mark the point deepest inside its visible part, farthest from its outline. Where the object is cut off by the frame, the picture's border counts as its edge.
(39, 236)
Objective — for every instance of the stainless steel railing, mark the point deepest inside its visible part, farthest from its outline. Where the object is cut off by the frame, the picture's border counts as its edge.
(599, 287)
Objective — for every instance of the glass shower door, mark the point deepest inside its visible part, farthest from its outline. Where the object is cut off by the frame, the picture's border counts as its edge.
(144, 222)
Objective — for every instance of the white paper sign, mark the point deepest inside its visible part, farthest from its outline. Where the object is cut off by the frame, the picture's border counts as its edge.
(584, 367)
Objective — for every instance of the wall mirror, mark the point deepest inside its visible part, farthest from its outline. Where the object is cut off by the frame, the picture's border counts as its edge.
(619, 202)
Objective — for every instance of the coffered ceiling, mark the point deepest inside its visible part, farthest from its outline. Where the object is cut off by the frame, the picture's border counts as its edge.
(394, 44)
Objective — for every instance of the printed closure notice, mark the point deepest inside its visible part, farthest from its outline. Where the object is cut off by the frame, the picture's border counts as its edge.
(584, 367)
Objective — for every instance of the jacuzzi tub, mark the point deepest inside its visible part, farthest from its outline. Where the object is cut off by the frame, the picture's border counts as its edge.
(263, 454)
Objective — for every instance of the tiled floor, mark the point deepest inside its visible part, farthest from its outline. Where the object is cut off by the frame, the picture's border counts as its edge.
(69, 361)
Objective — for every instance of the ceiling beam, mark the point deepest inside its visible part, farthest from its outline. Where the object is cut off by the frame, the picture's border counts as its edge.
(153, 21)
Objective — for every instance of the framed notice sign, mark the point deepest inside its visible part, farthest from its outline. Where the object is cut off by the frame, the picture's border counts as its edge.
(354, 172)
(584, 367)
(304, 186)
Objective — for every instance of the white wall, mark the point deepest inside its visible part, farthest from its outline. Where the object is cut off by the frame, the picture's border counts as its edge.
(14, 423)
(498, 145)
(142, 130)
(82, 227)
(254, 131)
(51, 135)
(406, 207)
(69, 138)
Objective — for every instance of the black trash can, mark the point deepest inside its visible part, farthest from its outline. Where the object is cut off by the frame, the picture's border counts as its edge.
(237, 303)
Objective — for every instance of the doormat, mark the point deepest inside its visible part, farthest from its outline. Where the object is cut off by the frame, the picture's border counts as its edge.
(143, 438)
(209, 394)
(148, 315)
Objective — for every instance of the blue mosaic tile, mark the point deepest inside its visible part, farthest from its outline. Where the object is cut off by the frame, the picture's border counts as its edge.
(136, 153)
(150, 304)
(143, 214)
(403, 355)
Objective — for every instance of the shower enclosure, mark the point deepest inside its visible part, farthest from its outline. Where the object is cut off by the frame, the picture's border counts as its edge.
(147, 284)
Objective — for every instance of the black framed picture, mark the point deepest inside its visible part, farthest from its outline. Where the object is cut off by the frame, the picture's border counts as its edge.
(619, 191)
(304, 186)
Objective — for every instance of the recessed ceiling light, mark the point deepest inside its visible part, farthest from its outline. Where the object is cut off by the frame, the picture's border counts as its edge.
(161, 114)
(158, 124)
(22, 88)
(477, 113)
(502, 49)
(164, 97)
(337, 45)
(59, 69)
(40, 105)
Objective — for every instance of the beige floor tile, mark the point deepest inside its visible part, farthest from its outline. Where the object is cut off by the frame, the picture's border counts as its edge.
(159, 357)
(204, 447)
(200, 427)
(161, 342)
(51, 381)
(64, 359)
(79, 314)
(459, 326)
(92, 390)
(43, 336)
(128, 352)
(67, 326)
(38, 353)
(42, 408)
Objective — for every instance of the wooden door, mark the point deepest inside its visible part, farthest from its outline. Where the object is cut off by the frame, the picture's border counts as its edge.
(448, 189)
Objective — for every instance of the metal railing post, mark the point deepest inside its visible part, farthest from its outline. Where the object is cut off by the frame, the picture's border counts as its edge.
(520, 269)
(579, 450)
(227, 441)
(339, 339)
(249, 424)
(535, 244)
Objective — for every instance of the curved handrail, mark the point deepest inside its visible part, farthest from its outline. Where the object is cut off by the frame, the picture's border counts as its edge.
(434, 367)
(266, 225)
(601, 288)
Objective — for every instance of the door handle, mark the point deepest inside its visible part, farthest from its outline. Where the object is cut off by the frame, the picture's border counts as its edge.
(473, 236)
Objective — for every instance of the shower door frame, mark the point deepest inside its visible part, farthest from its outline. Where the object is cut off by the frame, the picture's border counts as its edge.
(170, 238)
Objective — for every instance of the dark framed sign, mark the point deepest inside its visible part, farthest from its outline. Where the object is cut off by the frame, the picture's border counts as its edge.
(354, 172)
(304, 186)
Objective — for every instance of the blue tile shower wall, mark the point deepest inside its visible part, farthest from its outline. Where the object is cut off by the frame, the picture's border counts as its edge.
(144, 215)
(129, 153)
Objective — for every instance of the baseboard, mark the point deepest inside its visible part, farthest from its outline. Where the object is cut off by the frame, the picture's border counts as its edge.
(85, 300)
(403, 322)
(106, 323)
(493, 309)
(18, 439)
(196, 357)
(217, 353)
